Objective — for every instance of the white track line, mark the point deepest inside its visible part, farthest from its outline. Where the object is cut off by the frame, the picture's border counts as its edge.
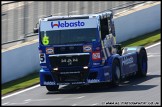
(153, 45)
(81, 97)
(20, 91)
(94, 104)
(39, 84)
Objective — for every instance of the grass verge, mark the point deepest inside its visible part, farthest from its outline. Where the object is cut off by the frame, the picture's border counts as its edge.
(20, 83)
(143, 40)
(33, 79)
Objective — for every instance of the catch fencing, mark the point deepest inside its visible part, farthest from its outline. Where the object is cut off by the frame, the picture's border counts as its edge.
(20, 17)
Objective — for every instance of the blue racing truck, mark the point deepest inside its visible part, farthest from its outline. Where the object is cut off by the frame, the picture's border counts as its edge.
(81, 49)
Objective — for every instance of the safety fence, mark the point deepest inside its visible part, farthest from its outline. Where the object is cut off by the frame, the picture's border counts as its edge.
(20, 17)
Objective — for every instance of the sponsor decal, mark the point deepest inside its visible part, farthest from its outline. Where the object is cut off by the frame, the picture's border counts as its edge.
(106, 73)
(63, 83)
(70, 83)
(96, 55)
(76, 72)
(67, 24)
(77, 82)
(127, 61)
(96, 63)
(44, 66)
(49, 50)
(49, 83)
(93, 80)
(87, 48)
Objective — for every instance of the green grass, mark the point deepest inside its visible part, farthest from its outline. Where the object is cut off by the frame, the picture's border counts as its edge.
(143, 40)
(20, 83)
(33, 79)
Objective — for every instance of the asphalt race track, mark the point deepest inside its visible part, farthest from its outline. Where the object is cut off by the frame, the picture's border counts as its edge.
(133, 91)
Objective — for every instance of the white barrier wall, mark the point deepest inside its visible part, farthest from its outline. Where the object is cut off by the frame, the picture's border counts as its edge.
(137, 23)
(19, 62)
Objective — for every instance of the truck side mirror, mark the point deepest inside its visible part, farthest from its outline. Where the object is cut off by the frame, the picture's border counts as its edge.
(35, 30)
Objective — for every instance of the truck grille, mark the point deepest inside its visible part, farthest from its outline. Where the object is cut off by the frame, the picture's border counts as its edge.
(69, 60)
(68, 49)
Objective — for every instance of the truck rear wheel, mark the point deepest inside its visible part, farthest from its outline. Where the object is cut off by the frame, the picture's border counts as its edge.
(116, 73)
(142, 63)
(52, 88)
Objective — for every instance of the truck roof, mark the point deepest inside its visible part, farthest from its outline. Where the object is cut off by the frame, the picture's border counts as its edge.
(68, 17)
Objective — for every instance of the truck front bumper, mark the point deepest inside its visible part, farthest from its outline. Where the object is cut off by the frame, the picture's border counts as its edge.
(75, 76)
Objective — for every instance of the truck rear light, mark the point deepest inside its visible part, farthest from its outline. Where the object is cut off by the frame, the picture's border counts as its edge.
(96, 55)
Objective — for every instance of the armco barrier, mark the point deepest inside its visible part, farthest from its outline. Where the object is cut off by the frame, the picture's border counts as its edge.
(137, 23)
(21, 61)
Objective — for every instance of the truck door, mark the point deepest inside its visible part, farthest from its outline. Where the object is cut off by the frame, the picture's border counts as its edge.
(104, 31)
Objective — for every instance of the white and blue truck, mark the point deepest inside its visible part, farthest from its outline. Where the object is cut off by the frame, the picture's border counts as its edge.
(82, 49)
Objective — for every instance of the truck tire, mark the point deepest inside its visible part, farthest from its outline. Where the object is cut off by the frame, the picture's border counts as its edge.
(142, 63)
(52, 88)
(116, 73)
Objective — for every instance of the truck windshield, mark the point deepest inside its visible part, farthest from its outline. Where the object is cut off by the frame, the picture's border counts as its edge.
(70, 36)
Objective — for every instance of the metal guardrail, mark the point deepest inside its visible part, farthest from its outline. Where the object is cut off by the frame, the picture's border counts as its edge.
(23, 39)
(8, 2)
(20, 17)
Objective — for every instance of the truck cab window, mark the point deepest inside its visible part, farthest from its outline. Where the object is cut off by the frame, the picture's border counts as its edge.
(104, 28)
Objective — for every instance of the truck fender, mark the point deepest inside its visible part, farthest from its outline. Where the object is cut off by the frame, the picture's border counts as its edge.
(132, 49)
(141, 58)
